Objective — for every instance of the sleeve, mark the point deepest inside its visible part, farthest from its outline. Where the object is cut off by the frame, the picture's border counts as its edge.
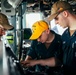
(32, 52)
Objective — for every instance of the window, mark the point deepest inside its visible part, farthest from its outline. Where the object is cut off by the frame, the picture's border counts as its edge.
(32, 18)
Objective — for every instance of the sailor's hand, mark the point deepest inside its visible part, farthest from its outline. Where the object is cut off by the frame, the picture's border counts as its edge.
(28, 63)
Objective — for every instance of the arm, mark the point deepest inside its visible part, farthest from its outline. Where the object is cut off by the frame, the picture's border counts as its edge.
(47, 62)
(28, 61)
(51, 62)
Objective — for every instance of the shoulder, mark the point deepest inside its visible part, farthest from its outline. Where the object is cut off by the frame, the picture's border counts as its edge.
(34, 42)
(54, 33)
(66, 32)
(57, 36)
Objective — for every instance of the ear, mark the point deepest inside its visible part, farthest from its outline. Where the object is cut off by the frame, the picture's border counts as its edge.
(48, 31)
(65, 13)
